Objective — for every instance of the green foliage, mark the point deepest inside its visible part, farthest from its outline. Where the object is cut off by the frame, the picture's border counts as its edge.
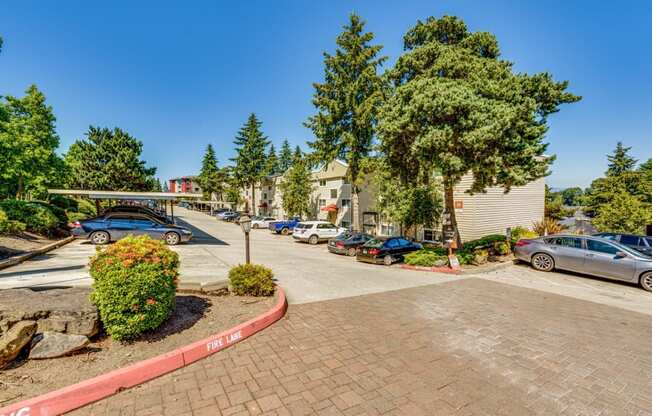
(464, 256)
(502, 248)
(480, 256)
(134, 285)
(455, 108)
(296, 188)
(252, 280)
(347, 103)
(37, 216)
(620, 161)
(8, 226)
(572, 196)
(426, 258)
(484, 242)
(285, 157)
(75, 216)
(211, 179)
(623, 214)
(547, 226)
(522, 232)
(86, 207)
(109, 160)
(273, 162)
(28, 140)
(64, 202)
(251, 160)
(554, 206)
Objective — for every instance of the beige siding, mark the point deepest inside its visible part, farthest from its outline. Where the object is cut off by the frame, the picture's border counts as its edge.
(494, 211)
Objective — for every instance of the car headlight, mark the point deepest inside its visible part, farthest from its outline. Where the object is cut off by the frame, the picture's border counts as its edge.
(186, 231)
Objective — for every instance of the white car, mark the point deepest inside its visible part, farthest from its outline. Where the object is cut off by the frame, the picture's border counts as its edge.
(261, 222)
(315, 231)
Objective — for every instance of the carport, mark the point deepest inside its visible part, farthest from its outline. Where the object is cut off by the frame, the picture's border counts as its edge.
(166, 198)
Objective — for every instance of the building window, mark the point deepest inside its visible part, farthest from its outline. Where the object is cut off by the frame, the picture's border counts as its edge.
(322, 203)
(346, 203)
(345, 224)
(264, 196)
(345, 181)
(387, 229)
(334, 193)
(322, 182)
(430, 234)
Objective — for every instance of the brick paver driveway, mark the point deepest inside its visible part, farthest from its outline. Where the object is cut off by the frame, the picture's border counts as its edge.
(467, 347)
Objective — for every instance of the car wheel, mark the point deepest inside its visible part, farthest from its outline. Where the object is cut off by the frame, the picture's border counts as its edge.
(646, 281)
(350, 252)
(172, 239)
(100, 237)
(285, 231)
(543, 262)
(388, 260)
(313, 240)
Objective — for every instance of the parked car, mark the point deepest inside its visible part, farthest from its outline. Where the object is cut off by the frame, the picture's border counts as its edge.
(348, 243)
(386, 250)
(284, 227)
(222, 214)
(229, 216)
(637, 242)
(114, 226)
(315, 231)
(139, 209)
(592, 255)
(261, 222)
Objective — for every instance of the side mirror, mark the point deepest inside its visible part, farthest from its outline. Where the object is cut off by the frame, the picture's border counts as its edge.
(621, 255)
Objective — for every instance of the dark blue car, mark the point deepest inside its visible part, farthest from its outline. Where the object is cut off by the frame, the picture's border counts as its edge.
(114, 226)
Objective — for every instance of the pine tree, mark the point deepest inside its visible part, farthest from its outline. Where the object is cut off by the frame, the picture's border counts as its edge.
(211, 177)
(273, 165)
(620, 161)
(347, 104)
(251, 160)
(296, 188)
(455, 108)
(285, 157)
(165, 187)
(28, 143)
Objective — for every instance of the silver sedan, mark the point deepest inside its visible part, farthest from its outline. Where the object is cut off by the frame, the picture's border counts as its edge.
(586, 254)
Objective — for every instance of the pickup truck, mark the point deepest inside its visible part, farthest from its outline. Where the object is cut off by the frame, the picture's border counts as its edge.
(284, 227)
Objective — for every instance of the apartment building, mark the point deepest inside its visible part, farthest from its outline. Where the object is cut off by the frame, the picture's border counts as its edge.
(184, 184)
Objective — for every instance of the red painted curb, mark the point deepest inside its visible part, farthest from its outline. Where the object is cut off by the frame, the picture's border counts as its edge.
(97, 388)
(428, 269)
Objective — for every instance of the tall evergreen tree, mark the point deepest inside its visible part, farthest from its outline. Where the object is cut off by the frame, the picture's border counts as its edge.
(109, 160)
(211, 178)
(456, 108)
(251, 160)
(273, 165)
(296, 188)
(347, 103)
(165, 187)
(285, 156)
(620, 161)
(28, 141)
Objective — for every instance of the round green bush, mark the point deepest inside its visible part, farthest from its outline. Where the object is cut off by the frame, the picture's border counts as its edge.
(37, 218)
(8, 226)
(135, 282)
(252, 280)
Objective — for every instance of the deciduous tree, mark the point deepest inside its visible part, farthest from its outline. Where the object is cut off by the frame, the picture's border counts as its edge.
(456, 108)
(347, 103)
(624, 213)
(251, 160)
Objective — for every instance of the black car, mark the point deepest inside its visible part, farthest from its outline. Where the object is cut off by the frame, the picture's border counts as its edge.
(116, 225)
(637, 242)
(138, 209)
(386, 251)
(348, 243)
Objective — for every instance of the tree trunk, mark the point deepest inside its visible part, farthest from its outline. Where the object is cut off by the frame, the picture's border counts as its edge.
(97, 207)
(355, 208)
(449, 207)
(253, 199)
(21, 188)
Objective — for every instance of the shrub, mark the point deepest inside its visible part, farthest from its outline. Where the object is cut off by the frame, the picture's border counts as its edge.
(502, 248)
(480, 256)
(522, 232)
(8, 226)
(64, 202)
(547, 226)
(86, 207)
(36, 217)
(485, 242)
(465, 256)
(134, 286)
(76, 216)
(426, 258)
(251, 279)
(60, 213)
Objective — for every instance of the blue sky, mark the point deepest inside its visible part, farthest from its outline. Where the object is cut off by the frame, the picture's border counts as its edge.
(180, 75)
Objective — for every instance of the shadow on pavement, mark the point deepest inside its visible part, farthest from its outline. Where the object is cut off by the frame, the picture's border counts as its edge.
(46, 270)
(200, 236)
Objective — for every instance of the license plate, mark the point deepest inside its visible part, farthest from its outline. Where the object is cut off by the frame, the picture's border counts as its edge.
(364, 251)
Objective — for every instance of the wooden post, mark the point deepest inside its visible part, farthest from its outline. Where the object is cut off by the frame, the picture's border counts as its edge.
(172, 210)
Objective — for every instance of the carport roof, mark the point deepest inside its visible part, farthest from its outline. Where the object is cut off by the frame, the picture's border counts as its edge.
(92, 194)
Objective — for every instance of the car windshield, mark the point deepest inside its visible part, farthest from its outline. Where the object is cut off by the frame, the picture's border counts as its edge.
(304, 226)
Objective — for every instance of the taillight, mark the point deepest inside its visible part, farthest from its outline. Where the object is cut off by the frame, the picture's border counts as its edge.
(373, 251)
(521, 243)
(339, 244)
(75, 224)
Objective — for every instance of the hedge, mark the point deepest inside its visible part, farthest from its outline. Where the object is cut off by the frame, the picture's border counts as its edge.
(38, 217)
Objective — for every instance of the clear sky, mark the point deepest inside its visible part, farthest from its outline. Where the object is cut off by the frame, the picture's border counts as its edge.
(178, 75)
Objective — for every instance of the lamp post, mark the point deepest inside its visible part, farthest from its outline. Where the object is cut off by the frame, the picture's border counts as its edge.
(245, 223)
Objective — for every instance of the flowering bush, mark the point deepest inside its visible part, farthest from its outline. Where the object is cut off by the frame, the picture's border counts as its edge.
(134, 286)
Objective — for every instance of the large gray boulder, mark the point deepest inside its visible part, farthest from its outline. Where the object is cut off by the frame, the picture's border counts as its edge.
(66, 311)
(14, 339)
(55, 344)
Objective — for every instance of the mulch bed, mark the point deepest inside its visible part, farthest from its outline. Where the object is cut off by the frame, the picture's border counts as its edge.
(196, 316)
(14, 245)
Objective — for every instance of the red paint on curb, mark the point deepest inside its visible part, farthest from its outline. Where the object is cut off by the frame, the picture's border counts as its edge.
(429, 269)
(100, 387)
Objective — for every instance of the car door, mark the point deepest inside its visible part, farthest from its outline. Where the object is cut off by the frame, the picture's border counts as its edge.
(568, 253)
(634, 241)
(119, 226)
(602, 259)
(147, 227)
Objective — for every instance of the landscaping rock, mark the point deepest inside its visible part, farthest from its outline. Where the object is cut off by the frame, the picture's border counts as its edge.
(57, 310)
(14, 339)
(55, 344)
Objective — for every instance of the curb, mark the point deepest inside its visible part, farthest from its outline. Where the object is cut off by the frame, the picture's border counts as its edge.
(21, 258)
(446, 270)
(489, 268)
(100, 387)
